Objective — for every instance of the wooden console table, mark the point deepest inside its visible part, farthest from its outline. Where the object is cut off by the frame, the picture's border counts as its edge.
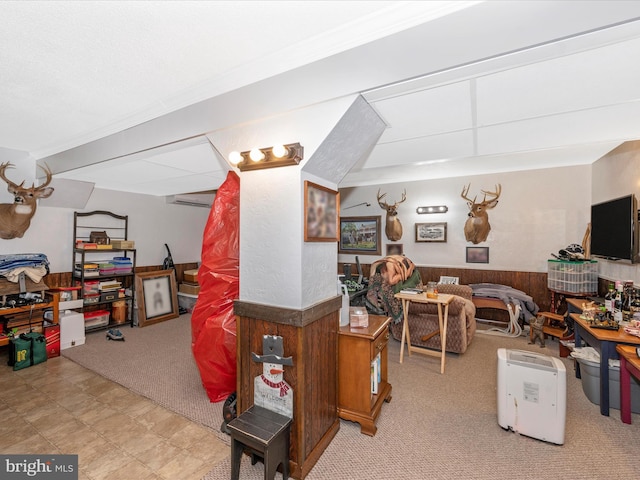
(357, 348)
(441, 300)
(605, 341)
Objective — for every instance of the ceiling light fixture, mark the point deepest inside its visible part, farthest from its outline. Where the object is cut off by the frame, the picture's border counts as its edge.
(276, 156)
(433, 209)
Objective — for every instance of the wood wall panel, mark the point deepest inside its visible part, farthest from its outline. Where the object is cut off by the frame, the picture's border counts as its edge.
(64, 279)
(310, 337)
(531, 283)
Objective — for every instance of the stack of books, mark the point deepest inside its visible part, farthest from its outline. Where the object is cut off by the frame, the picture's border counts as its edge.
(376, 374)
(90, 270)
(411, 291)
(110, 285)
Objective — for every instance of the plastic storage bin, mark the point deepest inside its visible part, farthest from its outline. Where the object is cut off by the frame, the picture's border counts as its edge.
(572, 277)
(99, 318)
(590, 372)
(187, 301)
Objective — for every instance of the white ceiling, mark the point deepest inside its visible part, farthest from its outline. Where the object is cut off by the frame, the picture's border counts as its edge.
(464, 87)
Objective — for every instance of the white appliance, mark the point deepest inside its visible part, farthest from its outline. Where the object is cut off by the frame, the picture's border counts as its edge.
(532, 394)
(71, 329)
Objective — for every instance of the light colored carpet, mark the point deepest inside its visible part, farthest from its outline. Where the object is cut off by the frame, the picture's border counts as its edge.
(436, 426)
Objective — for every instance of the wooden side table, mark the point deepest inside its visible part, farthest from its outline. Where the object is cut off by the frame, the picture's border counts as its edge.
(443, 316)
(357, 348)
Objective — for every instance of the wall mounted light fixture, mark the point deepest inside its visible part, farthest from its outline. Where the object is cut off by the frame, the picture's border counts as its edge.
(433, 209)
(276, 156)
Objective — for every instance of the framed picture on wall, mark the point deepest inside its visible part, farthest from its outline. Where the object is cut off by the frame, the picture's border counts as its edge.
(321, 210)
(360, 235)
(431, 232)
(477, 254)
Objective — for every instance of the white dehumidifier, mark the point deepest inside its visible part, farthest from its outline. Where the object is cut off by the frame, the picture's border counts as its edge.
(532, 394)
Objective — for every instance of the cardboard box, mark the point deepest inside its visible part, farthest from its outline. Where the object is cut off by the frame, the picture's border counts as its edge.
(190, 276)
(122, 244)
(190, 289)
(67, 294)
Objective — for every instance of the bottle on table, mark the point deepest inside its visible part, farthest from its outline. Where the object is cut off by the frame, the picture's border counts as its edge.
(609, 298)
(617, 304)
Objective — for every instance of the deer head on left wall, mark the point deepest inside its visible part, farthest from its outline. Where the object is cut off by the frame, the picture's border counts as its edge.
(15, 217)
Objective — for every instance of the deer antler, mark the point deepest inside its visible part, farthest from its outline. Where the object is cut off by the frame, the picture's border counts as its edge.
(495, 194)
(404, 197)
(3, 167)
(384, 205)
(47, 171)
(465, 192)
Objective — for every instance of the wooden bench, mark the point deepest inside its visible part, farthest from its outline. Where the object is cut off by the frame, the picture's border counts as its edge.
(264, 434)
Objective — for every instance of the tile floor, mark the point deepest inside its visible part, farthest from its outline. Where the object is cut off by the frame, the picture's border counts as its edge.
(59, 407)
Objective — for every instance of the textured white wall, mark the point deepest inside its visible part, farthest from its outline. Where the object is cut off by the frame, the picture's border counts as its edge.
(152, 223)
(615, 175)
(539, 212)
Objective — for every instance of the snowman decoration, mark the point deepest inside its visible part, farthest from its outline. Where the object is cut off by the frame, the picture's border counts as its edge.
(270, 389)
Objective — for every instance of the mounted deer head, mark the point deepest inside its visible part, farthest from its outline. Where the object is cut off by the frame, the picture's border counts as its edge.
(476, 228)
(393, 227)
(15, 217)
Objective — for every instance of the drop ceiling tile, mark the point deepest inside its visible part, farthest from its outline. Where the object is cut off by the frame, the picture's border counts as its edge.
(198, 158)
(598, 77)
(620, 122)
(417, 150)
(426, 112)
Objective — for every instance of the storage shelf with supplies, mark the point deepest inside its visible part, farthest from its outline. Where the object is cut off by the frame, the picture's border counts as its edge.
(105, 275)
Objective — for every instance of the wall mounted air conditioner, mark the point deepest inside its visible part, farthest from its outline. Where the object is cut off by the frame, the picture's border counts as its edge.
(192, 199)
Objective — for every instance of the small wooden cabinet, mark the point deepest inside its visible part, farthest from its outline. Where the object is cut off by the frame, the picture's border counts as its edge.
(357, 349)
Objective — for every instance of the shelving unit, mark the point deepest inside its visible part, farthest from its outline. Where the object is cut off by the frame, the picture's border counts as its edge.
(36, 310)
(98, 307)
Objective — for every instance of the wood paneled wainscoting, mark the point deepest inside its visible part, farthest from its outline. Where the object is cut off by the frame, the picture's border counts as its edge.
(310, 337)
(531, 283)
(64, 279)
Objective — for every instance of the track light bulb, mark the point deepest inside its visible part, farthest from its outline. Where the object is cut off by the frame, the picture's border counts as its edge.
(279, 151)
(235, 158)
(256, 155)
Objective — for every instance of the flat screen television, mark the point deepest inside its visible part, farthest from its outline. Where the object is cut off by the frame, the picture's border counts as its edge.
(614, 229)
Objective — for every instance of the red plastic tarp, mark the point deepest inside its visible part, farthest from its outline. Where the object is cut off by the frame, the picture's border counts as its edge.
(213, 324)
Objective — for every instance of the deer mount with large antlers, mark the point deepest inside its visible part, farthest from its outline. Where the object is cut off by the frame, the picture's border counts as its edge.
(15, 217)
(477, 227)
(393, 227)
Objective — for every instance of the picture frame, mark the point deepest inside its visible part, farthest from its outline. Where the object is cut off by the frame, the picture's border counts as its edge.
(321, 213)
(431, 232)
(157, 296)
(477, 254)
(395, 249)
(360, 235)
